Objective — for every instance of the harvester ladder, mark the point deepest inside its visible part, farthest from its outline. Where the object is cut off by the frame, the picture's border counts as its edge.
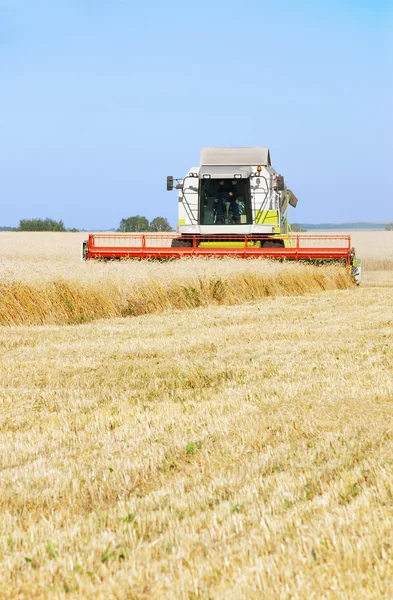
(190, 206)
(264, 203)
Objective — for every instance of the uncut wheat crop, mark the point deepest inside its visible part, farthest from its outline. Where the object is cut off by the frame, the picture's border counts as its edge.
(200, 429)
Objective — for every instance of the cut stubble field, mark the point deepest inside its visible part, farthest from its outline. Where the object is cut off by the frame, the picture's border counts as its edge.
(208, 447)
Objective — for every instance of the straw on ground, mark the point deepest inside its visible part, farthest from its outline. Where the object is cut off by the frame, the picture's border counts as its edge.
(229, 452)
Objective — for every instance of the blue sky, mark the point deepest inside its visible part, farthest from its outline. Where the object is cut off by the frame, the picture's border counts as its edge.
(100, 100)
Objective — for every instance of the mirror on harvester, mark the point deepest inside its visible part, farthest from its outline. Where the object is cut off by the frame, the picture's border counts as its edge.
(169, 183)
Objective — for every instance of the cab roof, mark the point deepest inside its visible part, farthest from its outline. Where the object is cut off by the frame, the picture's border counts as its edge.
(235, 157)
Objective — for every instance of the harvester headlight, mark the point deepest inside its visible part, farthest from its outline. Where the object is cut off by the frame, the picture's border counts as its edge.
(259, 168)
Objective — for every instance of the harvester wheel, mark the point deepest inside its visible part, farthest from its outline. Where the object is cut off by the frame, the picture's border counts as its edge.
(181, 243)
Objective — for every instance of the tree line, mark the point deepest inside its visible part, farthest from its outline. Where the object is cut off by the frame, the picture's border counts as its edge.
(140, 223)
(38, 225)
(41, 225)
(129, 224)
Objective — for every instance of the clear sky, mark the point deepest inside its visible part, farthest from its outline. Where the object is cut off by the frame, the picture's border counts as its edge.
(101, 99)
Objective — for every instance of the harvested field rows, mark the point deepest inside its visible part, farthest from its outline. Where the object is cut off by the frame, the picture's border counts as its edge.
(229, 452)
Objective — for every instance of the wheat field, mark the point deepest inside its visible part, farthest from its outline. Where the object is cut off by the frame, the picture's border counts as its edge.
(229, 442)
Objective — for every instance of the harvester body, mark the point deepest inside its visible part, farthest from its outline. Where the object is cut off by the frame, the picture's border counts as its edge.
(233, 204)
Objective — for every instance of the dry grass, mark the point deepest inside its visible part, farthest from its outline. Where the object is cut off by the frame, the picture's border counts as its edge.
(221, 452)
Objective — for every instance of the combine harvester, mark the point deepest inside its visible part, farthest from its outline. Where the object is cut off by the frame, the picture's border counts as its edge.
(233, 205)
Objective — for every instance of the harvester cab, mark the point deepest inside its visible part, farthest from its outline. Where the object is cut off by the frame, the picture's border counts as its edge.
(234, 192)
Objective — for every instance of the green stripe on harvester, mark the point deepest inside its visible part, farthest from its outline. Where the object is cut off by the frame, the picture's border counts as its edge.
(251, 244)
(268, 217)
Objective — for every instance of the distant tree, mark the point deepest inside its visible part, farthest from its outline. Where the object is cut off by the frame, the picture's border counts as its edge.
(296, 228)
(389, 227)
(41, 225)
(7, 228)
(137, 223)
(160, 224)
(73, 230)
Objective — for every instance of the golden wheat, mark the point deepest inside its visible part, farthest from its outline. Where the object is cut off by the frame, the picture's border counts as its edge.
(70, 302)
